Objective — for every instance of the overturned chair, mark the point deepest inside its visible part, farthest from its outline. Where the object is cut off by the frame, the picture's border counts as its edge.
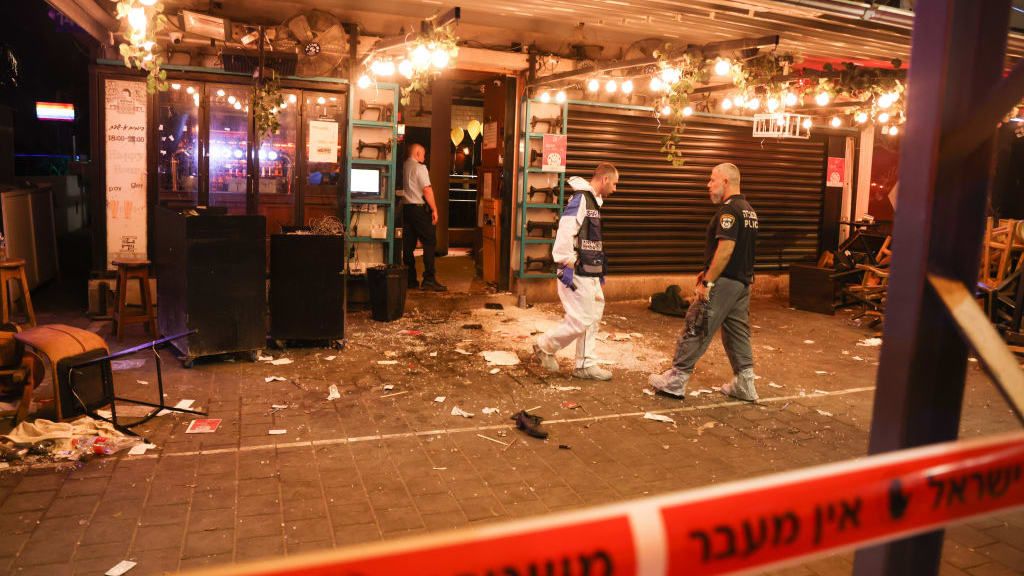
(21, 371)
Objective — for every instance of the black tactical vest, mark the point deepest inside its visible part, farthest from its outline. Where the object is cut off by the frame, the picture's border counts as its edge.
(590, 259)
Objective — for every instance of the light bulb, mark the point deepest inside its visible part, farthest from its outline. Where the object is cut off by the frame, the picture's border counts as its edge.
(148, 45)
(894, 131)
(321, 100)
(883, 117)
(545, 97)
(861, 117)
(670, 75)
(688, 111)
(754, 103)
(593, 85)
(232, 99)
(884, 101)
(262, 154)
(364, 81)
(237, 153)
(807, 124)
(726, 103)
(272, 155)
(220, 93)
(284, 105)
(238, 106)
(137, 20)
(790, 99)
(739, 101)
(190, 90)
(772, 104)
(836, 122)
(439, 58)
(560, 96)
(175, 86)
(627, 87)
(885, 129)
(420, 57)
(655, 84)
(405, 68)
(147, 2)
(666, 110)
(293, 98)
(722, 67)
(611, 86)
(893, 96)
(376, 67)
(822, 98)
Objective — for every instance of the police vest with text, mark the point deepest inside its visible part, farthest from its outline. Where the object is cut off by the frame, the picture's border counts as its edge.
(590, 258)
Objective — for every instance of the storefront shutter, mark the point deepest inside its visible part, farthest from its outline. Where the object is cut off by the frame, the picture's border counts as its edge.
(657, 219)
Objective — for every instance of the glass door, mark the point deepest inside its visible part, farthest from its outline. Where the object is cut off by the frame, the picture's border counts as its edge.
(177, 162)
(276, 161)
(324, 128)
(228, 145)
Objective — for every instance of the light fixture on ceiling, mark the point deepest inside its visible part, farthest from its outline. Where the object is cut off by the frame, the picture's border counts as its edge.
(722, 67)
(593, 85)
(560, 96)
(203, 25)
(627, 87)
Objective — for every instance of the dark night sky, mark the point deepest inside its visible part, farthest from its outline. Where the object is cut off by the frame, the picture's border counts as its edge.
(53, 60)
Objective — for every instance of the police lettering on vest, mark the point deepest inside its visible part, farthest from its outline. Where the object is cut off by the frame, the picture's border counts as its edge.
(590, 257)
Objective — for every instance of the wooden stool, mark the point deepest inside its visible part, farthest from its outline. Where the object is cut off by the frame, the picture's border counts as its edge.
(14, 269)
(133, 270)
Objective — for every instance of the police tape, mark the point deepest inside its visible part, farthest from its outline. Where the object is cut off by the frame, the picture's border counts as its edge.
(752, 524)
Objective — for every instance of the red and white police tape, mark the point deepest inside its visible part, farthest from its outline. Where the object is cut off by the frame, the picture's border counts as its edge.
(740, 526)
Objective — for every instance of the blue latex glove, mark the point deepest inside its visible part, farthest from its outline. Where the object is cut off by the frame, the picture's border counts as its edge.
(602, 280)
(565, 277)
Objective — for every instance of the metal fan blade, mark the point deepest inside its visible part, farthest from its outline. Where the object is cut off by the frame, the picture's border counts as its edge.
(333, 35)
(300, 28)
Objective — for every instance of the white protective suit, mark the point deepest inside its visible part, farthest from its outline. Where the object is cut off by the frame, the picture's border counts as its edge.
(583, 306)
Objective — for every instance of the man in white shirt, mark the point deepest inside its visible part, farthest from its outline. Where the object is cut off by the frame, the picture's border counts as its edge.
(419, 214)
(579, 253)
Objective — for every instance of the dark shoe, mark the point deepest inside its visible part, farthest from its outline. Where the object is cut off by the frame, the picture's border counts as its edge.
(434, 286)
(530, 424)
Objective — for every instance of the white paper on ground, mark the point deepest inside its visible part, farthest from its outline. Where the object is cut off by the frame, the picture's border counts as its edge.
(186, 404)
(567, 388)
(870, 342)
(329, 358)
(433, 354)
(658, 418)
(489, 410)
(118, 365)
(389, 387)
(277, 432)
(140, 449)
(387, 362)
(274, 379)
(281, 361)
(774, 385)
(822, 392)
(263, 358)
(824, 413)
(120, 568)
(494, 370)
(440, 399)
(143, 382)
(649, 392)
(463, 352)
(500, 357)
(706, 426)
(278, 406)
(821, 372)
(701, 391)
(857, 358)
(456, 411)
(808, 341)
(332, 392)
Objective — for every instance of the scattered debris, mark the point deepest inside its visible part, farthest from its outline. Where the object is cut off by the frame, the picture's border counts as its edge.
(493, 306)
(411, 332)
(846, 352)
(329, 358)
(395, 394)
(530, 424)
(440, 399)
(505, 444)
(120, 568)
(140, 449)
(490, 410)
(500, 357)
(263, 358)
(433, 354)
(274, 379)
(332, 392)
(706, 426)
(472, 326)
(143, 382)
(822, 392)
(388, 387)
(463, 352)
(621, 337)
(456, 411)
(282, 361)
(701, 391)
(186, 404)
(567, 388)
(658, 418)
(118, 365)
(857, 358)
(871, 342)
(390, 354)
(440, 467)
(203, 426)
(387, 362)
(808, 341)
(769, 348)
(277, 432)
(824, 413)
(564, 447)
(774, 385)
(569, 405)
(821, 373)
(494, 370)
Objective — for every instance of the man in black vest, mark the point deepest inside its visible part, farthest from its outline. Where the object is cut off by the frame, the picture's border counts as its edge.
(579, 253)
(722, 293)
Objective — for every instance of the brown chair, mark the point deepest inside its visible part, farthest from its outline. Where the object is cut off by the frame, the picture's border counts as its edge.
(21, 372)
(14, 269)
(128, 270)
(57, 342)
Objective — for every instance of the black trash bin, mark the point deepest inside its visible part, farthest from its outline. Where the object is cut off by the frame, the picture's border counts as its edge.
(387, 286)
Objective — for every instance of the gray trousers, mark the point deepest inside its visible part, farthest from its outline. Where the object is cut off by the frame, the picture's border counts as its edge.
(728, 308)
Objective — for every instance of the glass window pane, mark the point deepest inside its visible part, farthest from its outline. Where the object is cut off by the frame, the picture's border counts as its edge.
(277, 168)
(325, 117)
(229, 142)
(177, 163)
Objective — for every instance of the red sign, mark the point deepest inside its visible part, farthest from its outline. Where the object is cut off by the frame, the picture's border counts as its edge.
(553, 153)
(835, 176)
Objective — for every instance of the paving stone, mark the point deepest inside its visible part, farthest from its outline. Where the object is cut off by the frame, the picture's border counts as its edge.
(27, 502)
(158, 537)
(260, 547)
(258, 526)
(209, 543)
(210, 520)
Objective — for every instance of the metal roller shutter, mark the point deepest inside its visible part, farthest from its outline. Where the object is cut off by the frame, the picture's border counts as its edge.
(657, 219)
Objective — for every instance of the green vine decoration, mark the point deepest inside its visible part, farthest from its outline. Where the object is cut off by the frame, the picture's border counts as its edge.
(443, 38)
(138, 51)
(266, 103)
(678, 89)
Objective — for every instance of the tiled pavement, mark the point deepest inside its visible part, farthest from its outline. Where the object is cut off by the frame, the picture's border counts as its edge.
(383, 468)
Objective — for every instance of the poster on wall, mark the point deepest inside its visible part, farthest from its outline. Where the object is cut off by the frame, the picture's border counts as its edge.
(323, 141)
(553, 153)
(836, 172)
(490, 135)
(125, 145)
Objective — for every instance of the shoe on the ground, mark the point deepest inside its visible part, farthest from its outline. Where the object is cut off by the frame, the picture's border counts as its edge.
(592, 373)
(547, 361)
(433, 286)
(669, 383)
(741, 386)
(530, 424)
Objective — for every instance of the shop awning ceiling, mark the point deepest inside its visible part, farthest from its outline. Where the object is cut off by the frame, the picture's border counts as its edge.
(820, 30)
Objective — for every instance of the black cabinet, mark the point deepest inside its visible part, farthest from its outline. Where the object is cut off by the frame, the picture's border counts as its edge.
(211, 277)
(307, 287)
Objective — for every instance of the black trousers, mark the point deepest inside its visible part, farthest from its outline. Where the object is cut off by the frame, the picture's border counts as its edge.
(418, 227)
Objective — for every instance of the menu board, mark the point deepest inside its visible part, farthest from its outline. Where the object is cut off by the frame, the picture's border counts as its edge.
(125, 145)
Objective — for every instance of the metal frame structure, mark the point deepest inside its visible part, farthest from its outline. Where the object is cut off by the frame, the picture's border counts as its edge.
(958, 98)
(524, 196)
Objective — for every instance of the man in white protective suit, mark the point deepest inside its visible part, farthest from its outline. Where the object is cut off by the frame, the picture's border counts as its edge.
(579, 253)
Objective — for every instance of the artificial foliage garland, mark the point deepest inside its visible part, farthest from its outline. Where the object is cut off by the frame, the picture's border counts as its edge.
(441, 37)
(138, 52)
(266, 104)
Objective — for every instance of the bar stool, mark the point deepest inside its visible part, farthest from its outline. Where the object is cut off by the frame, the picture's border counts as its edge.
(14, 269)
(133, 270)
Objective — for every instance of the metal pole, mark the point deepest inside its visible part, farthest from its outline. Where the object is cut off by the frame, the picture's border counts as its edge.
(958, 48)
